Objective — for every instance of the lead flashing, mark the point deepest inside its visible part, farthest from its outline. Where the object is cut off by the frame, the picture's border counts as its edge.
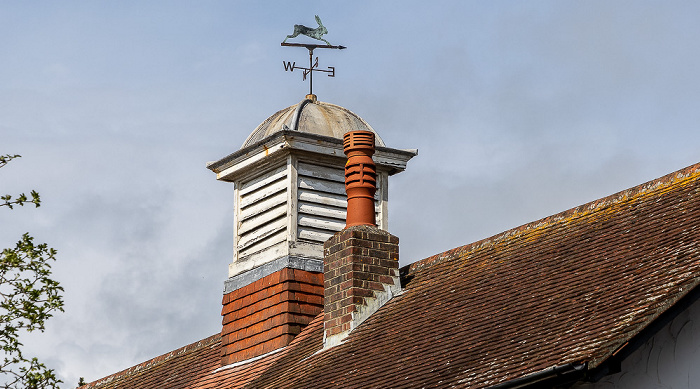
(292, 262)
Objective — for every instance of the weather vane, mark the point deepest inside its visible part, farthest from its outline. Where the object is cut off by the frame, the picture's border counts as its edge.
(314, 33)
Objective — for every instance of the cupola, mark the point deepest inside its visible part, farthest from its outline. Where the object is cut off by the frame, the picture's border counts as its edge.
(289, 194)
(289, 198)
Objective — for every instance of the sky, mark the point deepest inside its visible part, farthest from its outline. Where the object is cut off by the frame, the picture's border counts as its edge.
(519, 110)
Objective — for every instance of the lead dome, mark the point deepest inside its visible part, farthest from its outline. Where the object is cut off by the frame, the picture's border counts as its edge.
(312, 117)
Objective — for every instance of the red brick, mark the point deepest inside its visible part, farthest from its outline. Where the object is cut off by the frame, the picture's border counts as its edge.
(359, 262)
(269, 312)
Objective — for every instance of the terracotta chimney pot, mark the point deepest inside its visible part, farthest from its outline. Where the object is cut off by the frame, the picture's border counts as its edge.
(360, 178)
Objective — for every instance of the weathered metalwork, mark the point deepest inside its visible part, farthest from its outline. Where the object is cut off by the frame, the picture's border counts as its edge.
(317, 34)
(314, 33)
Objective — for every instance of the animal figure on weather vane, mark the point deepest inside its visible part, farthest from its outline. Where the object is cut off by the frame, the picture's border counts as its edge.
(315, 33)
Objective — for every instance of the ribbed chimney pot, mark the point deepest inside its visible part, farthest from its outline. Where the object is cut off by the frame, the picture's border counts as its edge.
(360, 178)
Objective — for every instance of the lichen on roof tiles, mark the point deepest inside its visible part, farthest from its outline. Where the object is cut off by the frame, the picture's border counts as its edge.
(574, 287)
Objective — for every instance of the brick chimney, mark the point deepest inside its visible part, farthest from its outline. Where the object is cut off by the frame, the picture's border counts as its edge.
(265, 315)
(361, 262)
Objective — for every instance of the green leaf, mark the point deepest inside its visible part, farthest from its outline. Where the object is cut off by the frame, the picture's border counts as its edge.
(28, 298)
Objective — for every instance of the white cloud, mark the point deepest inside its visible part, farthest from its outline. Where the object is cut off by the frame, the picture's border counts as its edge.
(519, 111)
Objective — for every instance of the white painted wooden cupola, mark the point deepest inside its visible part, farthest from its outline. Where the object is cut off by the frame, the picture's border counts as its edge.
(289, 193)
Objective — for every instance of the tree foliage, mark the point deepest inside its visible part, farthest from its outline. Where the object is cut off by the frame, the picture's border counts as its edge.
(28, 298)
(7, 200)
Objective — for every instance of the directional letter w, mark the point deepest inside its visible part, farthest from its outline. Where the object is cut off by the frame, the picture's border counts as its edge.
(289, 66)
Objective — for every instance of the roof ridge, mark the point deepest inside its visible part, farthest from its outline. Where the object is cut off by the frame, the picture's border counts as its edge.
(157, 360)
(679, 177)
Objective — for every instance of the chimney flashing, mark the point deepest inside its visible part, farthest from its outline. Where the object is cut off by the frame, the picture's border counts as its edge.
(290, 261)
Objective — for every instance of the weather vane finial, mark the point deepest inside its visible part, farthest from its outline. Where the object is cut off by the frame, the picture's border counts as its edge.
(314, 33)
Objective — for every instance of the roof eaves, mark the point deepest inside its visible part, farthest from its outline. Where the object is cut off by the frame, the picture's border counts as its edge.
(557, 374)
(664, 314)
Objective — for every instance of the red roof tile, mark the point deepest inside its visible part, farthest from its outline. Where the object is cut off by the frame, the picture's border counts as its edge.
(570, 288)
(176, 369)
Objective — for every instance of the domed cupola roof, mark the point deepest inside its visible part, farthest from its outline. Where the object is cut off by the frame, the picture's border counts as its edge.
(312, 117)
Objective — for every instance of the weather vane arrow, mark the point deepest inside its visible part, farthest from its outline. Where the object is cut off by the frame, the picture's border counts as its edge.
(314, 33)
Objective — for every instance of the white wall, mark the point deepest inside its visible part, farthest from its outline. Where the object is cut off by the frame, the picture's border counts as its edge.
(670, 359)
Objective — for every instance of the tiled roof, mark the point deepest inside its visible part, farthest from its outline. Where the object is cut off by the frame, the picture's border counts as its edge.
(176, 369)
(570, 288)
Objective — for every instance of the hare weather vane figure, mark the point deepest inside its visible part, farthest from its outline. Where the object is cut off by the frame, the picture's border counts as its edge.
(314, 33)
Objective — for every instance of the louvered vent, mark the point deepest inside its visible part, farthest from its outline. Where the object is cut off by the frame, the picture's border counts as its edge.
(322, 202)
(262, 215)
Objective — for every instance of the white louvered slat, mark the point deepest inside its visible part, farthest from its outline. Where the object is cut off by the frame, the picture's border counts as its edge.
(314, 235)
(322, 210)
(322, 172)
(263, 192)
(259, 182)
(318, 185)
(258, 235)
(270, 240)
(325, 198)
(263, 205)
(321, 223)
(262, 219)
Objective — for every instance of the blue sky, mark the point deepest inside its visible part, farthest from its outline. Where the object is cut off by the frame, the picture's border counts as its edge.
(519, 111)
